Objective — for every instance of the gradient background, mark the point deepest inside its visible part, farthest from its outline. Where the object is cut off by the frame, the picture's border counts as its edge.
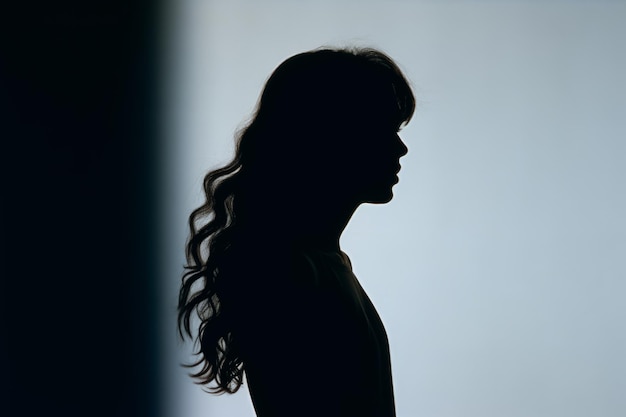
(499, 267)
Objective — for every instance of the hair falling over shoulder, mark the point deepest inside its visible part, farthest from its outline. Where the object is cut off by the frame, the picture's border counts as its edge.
(290, 100)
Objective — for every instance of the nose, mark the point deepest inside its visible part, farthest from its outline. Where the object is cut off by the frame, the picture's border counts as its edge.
(401, 147)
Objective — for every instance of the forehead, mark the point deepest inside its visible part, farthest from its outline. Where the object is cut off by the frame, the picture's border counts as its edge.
(380, 107)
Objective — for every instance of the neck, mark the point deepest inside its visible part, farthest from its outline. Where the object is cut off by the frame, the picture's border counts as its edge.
(317, 226)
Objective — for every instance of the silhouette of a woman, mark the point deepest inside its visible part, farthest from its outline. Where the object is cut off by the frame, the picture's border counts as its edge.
(274, 294)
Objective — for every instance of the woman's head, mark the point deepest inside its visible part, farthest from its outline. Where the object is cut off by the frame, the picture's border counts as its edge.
(328, 119)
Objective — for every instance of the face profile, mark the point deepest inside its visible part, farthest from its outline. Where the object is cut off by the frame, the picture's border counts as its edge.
(347, 121)
(265, 275)
(378, 165)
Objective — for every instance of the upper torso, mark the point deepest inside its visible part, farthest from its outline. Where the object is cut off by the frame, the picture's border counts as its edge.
(317, 347)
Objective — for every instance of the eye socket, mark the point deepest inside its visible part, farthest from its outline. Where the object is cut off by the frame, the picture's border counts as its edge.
(400, 125)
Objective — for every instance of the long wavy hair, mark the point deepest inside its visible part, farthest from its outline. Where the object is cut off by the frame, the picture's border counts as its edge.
(306, 106)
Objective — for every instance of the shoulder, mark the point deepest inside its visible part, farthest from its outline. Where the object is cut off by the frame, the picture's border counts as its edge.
(269, 273)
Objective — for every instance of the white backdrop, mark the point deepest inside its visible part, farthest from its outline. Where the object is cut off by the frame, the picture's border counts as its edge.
(499, 268)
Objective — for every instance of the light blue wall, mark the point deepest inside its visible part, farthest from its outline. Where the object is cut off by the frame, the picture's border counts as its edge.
(499, 268)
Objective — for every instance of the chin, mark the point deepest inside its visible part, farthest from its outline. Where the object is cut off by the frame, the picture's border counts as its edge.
(379, 191)
(380, 198)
